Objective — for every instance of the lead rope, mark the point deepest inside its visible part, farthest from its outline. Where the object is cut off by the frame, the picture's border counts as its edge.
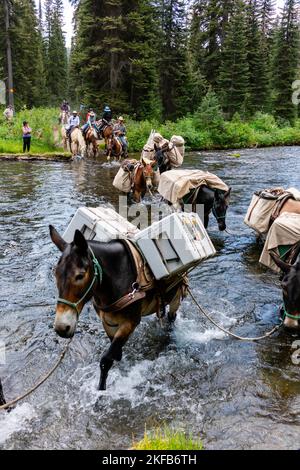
(241, 338)
(40, 382)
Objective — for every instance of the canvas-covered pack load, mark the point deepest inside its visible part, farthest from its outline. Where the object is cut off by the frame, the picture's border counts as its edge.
(148, 149)
(265, 207)
(283, 235)
(175, 184)
(123, 179)
(174, 149)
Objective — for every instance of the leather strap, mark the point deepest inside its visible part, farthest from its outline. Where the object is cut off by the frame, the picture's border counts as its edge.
(123, 302)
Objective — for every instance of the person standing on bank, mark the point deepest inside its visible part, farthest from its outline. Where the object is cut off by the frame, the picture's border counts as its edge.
(26, 136)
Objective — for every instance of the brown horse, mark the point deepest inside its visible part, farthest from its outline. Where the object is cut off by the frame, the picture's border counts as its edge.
(143, 176)
(91, 138)
(106, 274)
(106, 132)
(114, 148)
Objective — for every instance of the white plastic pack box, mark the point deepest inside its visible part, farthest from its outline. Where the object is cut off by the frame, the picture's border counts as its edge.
(175, 244)
(101, 224)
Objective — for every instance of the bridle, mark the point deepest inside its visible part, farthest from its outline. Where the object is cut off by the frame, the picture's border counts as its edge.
(214, 211)
(98, 275)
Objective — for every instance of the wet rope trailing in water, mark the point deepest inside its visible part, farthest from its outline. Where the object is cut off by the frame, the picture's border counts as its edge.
(40, 382)
(241, 338)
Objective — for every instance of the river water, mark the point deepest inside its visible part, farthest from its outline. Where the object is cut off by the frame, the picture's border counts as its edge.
(228, 393)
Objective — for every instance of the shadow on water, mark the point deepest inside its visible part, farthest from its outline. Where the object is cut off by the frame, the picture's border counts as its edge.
(231, 394)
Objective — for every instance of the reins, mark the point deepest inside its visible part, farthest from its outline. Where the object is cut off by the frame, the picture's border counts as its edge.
(98, 274)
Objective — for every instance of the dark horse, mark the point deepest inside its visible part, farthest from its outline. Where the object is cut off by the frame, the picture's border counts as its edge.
(290, 284)
(162, 161)
(106, 274)
(213, 200)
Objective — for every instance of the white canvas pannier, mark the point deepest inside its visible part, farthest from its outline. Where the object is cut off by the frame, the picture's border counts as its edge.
(261, 208)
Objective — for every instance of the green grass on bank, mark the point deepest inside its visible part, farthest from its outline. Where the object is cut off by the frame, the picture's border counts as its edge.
(205, 130)
(167, 439)
(41, 120)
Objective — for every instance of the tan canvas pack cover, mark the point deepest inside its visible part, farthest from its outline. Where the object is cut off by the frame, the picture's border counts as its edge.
(122, 181)
(175, 184)
(261, 208)
(123, 178)
(284, 231)
(148, 149)
(176, 151)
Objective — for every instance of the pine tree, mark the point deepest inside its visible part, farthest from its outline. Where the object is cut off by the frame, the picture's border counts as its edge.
(234, 70)
(286, 61)
(208, 27)
(55, 52)
(173, 58)
(257, 57)
(113, 58)
(27, 61)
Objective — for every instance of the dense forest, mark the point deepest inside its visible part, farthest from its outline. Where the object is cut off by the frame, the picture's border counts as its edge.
(155, 58)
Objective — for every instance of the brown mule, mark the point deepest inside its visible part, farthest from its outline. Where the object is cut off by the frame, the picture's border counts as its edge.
(143, 176)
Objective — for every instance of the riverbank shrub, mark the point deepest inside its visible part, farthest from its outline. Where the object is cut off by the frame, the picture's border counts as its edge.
(167, 439)
(205, 130)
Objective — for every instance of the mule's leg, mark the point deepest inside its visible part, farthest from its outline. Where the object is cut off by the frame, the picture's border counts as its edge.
(206, 220)
(2, 399)
(174, 306)
(114, 352)
(136, 195)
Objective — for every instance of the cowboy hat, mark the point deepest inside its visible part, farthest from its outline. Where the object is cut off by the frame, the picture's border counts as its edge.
(120, 118)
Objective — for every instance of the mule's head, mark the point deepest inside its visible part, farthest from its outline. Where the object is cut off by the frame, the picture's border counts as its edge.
(220, 206)
(291, 291)
(148, 172)
(74, 274)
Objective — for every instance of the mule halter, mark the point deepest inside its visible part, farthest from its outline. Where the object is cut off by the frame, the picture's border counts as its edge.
(98, 274)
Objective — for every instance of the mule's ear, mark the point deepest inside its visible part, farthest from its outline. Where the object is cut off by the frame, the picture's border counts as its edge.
(80, 242)
(285, 267)
(217, 195)
(227, 194)
(57, 239)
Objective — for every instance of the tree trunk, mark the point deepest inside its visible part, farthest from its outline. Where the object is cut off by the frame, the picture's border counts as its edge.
(8, 55)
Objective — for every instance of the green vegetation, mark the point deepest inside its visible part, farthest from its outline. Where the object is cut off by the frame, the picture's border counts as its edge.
(204, 130)
(157, 59)
(167, 439)
(43, 121)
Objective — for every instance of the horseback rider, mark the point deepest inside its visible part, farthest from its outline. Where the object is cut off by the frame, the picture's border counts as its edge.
(73, 122)
(91, 122)
(106, 119)
(120, 133)
(65, 107)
